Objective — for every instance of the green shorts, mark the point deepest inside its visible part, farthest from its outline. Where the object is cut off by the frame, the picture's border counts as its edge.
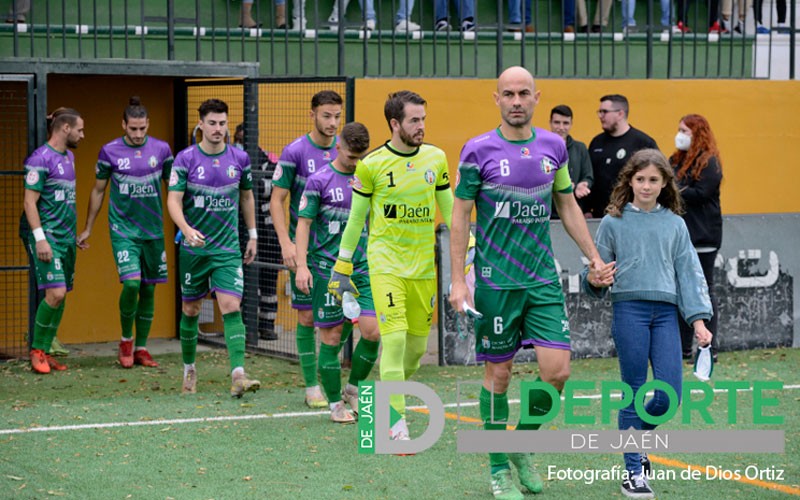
(140, 259)
(60, 271)
(519, 318)
(218, 273)
(327, 313)
(403, 305)
(300, 300)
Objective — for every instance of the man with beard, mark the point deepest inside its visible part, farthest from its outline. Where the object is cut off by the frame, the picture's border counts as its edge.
(136, 163)
(399, 184)
(611, 149)
(301, 158)
(512, 175)
(50, 209)
(209, 181)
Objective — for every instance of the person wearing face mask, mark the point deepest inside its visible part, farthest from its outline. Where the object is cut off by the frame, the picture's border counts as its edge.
(698, 170)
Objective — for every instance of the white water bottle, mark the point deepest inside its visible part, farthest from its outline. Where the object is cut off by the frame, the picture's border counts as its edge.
(350, 306)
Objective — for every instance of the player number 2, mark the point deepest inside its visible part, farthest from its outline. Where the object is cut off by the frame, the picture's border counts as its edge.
(498, 325)
(505, 171)
(188, 279)
(123, 256)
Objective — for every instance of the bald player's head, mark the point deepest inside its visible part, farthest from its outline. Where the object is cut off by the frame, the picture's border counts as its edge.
(516, 97)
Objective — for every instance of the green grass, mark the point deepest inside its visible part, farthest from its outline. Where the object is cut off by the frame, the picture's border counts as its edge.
(306, 456)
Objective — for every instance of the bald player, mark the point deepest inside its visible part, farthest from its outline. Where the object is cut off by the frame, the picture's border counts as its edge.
(512, 175)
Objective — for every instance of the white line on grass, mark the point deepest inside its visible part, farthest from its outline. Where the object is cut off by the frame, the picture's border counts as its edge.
(260, 416)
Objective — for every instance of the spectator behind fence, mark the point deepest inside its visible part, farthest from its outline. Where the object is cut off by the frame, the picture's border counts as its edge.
(629, 21)
(758, 10)
(269, 250)
(515, 15)
(601, 13)
(20, 8)
(333, 19)
(580, 168)
(465, 12)
(681, 15)
(610, 149)
(698, 170)
(246, 15)
(727, 10)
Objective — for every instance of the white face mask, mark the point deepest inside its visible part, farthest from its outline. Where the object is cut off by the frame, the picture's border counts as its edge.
(683, 141)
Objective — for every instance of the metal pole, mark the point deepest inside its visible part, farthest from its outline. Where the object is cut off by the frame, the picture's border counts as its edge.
(171, 30)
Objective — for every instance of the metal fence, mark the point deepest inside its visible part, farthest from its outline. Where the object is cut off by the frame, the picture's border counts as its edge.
(655, 42)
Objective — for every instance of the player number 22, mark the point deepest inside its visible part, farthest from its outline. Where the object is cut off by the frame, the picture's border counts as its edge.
(123, 256)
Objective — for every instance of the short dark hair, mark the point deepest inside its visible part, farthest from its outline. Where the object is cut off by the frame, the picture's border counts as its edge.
(561, 109)
(324, 97)
(135, 109)
(212, 106)
(61, 116)
(395, 106)
(355, 137)
(618, 99)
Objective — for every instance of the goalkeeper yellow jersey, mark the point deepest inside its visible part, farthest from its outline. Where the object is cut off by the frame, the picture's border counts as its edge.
(402, 191)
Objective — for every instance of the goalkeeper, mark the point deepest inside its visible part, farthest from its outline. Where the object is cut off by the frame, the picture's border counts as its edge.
(399, 183)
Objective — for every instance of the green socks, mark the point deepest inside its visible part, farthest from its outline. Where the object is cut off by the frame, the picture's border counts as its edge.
(188, 333)
(416, 346)
(364, 357)
(307, 351)
(539, 403)
(347, 330)
(235, 337)
(144, 313)
(43, 331)
(394, 346)
(498, 461)
(127, 306)
(330, 372)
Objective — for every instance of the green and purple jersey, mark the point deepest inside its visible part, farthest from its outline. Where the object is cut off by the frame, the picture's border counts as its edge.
(52, 174)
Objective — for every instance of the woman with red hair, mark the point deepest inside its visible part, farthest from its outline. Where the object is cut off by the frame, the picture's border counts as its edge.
(698, 171)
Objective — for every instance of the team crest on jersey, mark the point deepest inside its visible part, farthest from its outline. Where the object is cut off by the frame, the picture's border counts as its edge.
(356, 183)
(621, 153)
(173, 178)
(430, 177)
(326, 155)
(278, 172)
(32, 177)
(321, 313)
(486, 343)
(137, 154)
(240, 272)
(524, 153)
(383, 318)
(547, 165)
(163, 256)
(152, 162)
(215, 163)
(231, 172)
(303, 202)
(50, 276)
(410, 166)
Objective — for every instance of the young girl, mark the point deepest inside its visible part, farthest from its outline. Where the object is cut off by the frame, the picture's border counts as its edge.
(658, 275)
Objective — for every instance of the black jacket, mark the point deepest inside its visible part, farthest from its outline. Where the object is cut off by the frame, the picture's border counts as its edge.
(701, 201)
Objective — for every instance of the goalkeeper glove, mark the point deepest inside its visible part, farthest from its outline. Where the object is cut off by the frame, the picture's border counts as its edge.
(340, 281)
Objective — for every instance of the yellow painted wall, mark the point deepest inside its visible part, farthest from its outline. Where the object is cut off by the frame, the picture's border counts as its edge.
(92, 311)
(755, 122)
